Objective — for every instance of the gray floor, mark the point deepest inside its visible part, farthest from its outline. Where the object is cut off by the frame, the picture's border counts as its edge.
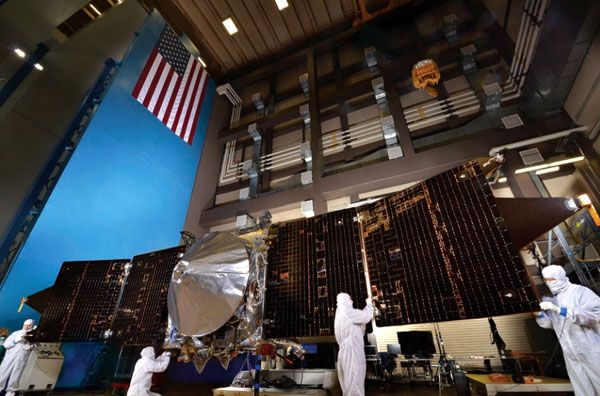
(206, 390)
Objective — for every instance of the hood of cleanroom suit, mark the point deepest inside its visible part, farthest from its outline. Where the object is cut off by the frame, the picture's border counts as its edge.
(558, 273)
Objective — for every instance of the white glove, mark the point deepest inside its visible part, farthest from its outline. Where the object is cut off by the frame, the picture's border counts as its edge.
(369, 301)
(548, 306)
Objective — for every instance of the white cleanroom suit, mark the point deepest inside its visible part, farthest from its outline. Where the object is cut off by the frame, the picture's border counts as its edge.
(141, 380)
(349, 327)
(17, 353)
(574, 314)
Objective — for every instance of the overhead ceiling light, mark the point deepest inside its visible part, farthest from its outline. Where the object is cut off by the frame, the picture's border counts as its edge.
(201, 62)
(551, 164)
(38, 66)
(502, 180)
(20, 52)
(95, 9)
(281, 4)
(230, 26)
(547, 170)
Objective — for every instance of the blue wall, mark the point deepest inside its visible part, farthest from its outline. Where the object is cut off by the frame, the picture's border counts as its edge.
(125, 190)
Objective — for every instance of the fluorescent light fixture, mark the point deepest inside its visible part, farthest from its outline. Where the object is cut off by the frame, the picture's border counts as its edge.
(201, 62)
(95, 9)
(551, 164)
(502, 180)
(20, 52)
(230, 26)
(363, 202)
(38, 66)
(584, 200)
(281, 4)
(547, 170)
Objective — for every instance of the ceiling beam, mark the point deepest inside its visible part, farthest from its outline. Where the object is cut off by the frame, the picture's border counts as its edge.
(388, 173)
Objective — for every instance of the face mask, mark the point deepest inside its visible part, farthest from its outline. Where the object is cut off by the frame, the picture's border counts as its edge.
(555, 287)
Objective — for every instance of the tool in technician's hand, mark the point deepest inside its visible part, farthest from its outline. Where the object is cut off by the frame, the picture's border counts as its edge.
(23, 301)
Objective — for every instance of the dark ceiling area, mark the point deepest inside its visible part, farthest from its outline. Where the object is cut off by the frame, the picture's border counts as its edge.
(266, 33)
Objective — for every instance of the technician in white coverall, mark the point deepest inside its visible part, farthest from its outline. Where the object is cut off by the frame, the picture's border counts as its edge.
(349, 327)
(141, 380)
(17, 352)
(574, 314)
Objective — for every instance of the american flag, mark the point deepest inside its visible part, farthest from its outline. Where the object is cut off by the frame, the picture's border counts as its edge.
(172, 86)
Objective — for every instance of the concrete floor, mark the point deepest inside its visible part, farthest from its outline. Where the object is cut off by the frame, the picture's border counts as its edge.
(206, 390)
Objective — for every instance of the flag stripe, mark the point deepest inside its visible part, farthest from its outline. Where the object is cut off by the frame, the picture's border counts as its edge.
(182, 87)
(173, 97)
(186, 87)
(152, 89)
(170, 87)
(199, 110)
(194, 106)
(149, 78)
(193, 103)
(163, 92)
(138, 86)
(160, 86)
(179, 129)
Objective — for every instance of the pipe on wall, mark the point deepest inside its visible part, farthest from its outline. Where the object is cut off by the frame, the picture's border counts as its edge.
(551, 136)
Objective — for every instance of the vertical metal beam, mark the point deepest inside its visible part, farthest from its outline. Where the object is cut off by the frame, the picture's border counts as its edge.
(316, 136)
(316, 144)
(590, 168)
(22, 72)
(265, 180)
(549, 254)
(560, 236)
(339, 84)
(342, 107)
(395, 107)
(507, 15)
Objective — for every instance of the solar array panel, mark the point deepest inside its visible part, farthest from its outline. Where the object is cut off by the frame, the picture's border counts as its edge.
(142, 313)
(83, 301)
(309, 262)
(435, 252)
(438, 251)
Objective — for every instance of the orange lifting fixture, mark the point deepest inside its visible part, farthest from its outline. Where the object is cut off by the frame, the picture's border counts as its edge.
(425, 74)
